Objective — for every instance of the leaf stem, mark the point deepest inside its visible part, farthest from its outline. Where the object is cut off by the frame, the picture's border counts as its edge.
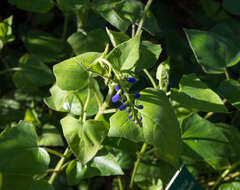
(54, 152)
(143, 149)
(147, 6)
(105, 103)
(65, 25)
(151, 78)
(67, 154)
(225, 173)
(226, 74)
(88, 99)
(120, 183)
(10, 70)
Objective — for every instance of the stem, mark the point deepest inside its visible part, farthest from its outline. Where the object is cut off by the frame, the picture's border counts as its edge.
(54, 152)
(143, 18)
(225, 173)
(143, 149)
(209, 114)
(10, 70)
(88, 99)
(120, 183)
(151, 79)
(66, 154)
(226, 74)
(81, 103)
(106, 102)
(65, 26)
(110, 111)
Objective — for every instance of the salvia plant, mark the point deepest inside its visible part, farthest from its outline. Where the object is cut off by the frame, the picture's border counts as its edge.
(121, 97)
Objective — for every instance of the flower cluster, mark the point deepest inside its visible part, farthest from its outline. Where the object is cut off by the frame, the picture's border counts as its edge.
(126, 102)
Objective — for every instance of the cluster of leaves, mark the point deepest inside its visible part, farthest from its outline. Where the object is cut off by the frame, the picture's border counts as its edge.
(184, 110)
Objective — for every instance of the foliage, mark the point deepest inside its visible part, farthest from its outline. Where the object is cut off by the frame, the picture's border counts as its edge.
(118, 94)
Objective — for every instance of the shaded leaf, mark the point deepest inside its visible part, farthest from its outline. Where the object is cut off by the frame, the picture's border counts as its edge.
(212, 51)
(94, 41)
(50, 136)
(20, 153)
(230, 89)
(101, 165)
(149, 54)
(41, 6)
(44, 46)
(33, 73)
(233, 6)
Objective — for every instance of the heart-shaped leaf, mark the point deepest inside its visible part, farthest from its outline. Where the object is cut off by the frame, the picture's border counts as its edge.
(84, 139)
(71, 74)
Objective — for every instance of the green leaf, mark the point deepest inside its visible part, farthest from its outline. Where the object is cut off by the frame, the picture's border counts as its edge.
(10, 110)
(233, 136)
(234, 185)
(71, 74)
(121, 126)
(214, 10)
(20, 153)
(21, 182)
(160, 125)
(84, 139)
(202, 137)
(6, 31)
(117, 37)
(94, 41)
(233, 6)
(230, 89)
(44, 46)
(33, 73)
(41, 185)
(107, 9)
(124, 56)
(41, 6)
(50, 136)
(71, 5)
(147, 171)
(195, 94)
(162, 75)
(151, 24)
(212, 51)
(101, 165)
(130, 10)
(149, 54)
(68, 101)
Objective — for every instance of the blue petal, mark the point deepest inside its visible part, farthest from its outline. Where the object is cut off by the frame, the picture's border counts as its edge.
(117, 88)
(122, 107)
(115, 98)
(131, 80)
(137, 95)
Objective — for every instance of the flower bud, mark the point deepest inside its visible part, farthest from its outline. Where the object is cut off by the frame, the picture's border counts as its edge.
(117, 88)
(122, 107)
(137, 95)
(131, 80)
(140, 107)
(115, 98)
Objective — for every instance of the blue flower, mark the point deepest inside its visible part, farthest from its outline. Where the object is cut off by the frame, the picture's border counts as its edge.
(131, 80)
(117, 88)
(130, 116)
(115, 98)
(122, 107)
(140, 107)
(137, 95)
